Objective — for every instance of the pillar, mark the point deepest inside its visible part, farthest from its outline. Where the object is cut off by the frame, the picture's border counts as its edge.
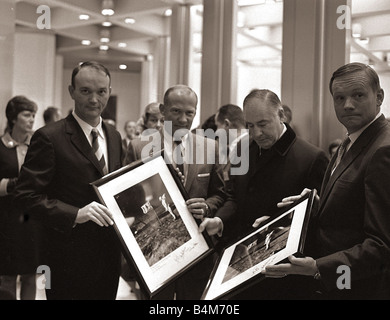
(7, 31)
(219, 69)
(313, 47)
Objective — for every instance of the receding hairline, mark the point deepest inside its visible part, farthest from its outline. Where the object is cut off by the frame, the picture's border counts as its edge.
(177, 89)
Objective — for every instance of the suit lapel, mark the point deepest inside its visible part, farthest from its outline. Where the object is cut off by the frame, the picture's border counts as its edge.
(81, 143)
(356, 149)
(110, 146)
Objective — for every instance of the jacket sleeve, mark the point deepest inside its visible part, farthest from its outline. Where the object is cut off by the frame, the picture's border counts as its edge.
(35, 178)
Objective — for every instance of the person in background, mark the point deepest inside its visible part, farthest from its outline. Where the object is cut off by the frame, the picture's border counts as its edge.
(55, 188)
(18, 235)
(151, 119)
(351, 227)
(51, 114)
(130, 133)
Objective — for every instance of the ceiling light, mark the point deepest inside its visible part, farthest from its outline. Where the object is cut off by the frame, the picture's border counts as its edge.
(83, 17)
(103, 47)
(122, 44)
(106, 23)
(108, 8)
(85, 42)
(168, 12)
(122, 66)
(105, 35)
(130, 20)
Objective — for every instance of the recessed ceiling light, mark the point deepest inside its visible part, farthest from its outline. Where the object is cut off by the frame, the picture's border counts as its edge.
(85, 42)
(122, 44)
(122, 66)
(104, 47)
(84, 17)
(130, 20)
(108, 8)
(106, 23)
(168, 12)
(105, 40)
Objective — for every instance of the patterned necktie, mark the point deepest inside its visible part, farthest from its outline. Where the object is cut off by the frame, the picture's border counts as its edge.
(341, 152)
(98, 151)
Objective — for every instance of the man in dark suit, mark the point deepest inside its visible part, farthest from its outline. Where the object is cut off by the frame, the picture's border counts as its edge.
(349, 252)
(279, 163)
(54, 186)
(195, 159)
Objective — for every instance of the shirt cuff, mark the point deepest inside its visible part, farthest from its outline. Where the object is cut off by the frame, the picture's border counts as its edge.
(3, 187)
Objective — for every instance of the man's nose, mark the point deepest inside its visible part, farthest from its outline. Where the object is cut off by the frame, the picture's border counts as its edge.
(348, 103)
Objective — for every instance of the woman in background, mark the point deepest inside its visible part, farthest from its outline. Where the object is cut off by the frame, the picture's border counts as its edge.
(18, 247)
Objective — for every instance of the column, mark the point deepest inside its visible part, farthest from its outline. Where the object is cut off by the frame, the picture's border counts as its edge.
(313, 47)
(219, 69)
(35, 67)
(7, 31)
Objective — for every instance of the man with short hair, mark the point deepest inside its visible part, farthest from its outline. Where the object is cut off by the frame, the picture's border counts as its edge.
(279, 162)
(195, 159)
(54, 186)
(351, 228)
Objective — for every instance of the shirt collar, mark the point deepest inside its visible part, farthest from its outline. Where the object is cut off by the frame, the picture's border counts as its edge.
(354, 136)
(86, 127)
(10, 143)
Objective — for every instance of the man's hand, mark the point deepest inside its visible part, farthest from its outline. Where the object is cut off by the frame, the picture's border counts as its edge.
(289, 200)
(304, 266)
(259, 221)
(198, 207)
(95, 212)
(212, 226)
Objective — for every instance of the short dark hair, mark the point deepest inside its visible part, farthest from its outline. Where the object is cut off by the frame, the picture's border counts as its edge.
(49, 113)
(233, 113)
(356, 67)
(17, 105)
(90, 64)
(264, 95)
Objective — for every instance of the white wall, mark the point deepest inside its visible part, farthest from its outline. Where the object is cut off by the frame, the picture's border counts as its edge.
(125, 85)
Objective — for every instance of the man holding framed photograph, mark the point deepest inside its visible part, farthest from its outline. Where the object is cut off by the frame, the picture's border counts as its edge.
(195, 159)
(349, 252)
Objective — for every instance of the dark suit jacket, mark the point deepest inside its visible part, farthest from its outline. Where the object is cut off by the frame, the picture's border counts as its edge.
(54, 184)
(353, 222)
(288, 167)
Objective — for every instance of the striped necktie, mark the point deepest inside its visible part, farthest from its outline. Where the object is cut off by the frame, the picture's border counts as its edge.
(341, 152)
(98, 151)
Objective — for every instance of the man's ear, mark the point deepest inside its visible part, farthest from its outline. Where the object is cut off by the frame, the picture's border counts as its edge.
(227, 123)
(162, 108)
(71, 91)
(380, 97)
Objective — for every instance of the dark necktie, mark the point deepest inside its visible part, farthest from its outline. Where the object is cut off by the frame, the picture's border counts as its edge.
(98, 151)
(341, 152)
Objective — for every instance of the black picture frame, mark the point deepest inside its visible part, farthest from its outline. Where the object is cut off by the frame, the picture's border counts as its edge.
(240, 263)
(158, 235)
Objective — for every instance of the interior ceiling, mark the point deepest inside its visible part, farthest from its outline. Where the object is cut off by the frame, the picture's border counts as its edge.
(259, 38)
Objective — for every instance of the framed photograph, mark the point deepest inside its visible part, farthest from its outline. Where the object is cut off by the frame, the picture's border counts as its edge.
(159, 235)
(240, 264)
